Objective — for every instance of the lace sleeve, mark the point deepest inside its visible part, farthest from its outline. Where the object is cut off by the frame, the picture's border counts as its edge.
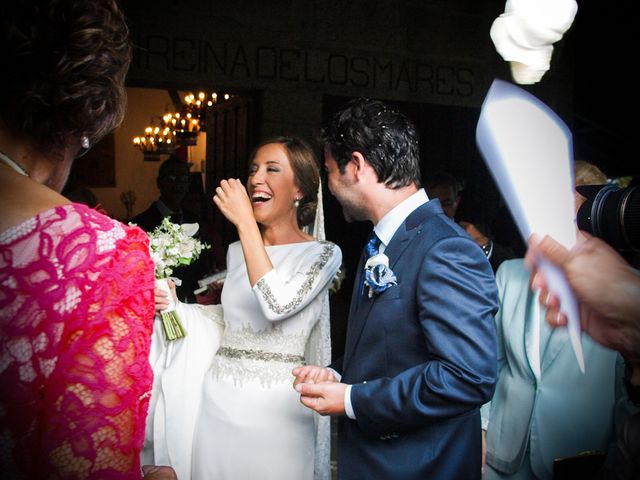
(76, 321)
(96, 399)
(280, 297)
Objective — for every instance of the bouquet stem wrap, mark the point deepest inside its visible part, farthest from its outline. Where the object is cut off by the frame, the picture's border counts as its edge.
(171, 324)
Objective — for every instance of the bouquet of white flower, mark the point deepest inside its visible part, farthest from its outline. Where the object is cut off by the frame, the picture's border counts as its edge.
(173, 246)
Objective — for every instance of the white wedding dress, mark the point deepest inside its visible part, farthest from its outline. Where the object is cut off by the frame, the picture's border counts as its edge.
(249, 423)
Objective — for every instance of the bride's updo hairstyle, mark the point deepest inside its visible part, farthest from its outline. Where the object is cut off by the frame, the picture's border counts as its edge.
(306, 173)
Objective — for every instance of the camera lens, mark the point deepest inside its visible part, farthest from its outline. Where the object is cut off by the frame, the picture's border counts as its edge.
(612, 214)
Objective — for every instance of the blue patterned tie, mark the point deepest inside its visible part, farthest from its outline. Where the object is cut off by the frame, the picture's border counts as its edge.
(373, 245)
(371, 249)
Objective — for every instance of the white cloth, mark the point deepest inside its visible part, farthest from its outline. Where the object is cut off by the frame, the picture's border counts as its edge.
(525, 33)
(250, 422)
(178, 369)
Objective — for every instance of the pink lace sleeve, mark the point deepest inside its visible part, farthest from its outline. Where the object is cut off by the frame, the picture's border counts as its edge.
(76, 310)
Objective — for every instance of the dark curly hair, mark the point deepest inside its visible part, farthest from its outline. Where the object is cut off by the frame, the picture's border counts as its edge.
(65, 66)
(385, 137)
(306, 172)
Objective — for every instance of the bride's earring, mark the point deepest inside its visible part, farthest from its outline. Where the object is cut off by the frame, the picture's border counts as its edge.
(296, 202)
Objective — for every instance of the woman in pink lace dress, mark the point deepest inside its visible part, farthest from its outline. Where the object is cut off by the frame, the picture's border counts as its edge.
(76, 288)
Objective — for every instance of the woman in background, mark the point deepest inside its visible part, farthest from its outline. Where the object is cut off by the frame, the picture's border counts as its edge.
(544, 407)
(76, 287)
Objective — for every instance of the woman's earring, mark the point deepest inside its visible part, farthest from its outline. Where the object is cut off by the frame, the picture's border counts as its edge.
(296, 203)
(85, 145)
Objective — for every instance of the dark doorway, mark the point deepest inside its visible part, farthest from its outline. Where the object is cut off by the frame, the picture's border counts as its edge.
(232, 131)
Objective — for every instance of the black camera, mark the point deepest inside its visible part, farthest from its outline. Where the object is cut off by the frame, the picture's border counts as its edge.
(612, 214)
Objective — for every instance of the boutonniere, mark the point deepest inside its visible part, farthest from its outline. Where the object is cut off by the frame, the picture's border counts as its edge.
(377, 274)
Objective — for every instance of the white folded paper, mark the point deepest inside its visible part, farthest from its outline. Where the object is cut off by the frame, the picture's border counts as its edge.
(528, 150)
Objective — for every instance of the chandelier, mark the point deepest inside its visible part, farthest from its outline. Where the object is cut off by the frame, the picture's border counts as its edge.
(197, 105)
(185, 127)
(156, 141)
(178, 128)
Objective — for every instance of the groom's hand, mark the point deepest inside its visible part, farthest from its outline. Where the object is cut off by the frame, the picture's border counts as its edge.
(324, 398)
(312, 374)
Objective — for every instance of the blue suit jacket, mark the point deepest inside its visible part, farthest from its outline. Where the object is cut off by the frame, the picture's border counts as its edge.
(421, 358)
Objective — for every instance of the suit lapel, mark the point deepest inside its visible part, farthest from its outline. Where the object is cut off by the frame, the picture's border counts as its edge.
(361, 304)
(411, 227)
(558, 339)
(398, 244)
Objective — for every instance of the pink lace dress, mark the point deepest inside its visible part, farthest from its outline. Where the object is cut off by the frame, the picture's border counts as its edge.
(76, 313)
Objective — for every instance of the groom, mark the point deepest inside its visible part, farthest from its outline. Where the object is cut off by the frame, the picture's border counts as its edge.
(420, 353)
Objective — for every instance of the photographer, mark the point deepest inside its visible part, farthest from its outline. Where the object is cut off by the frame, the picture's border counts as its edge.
(611, 213)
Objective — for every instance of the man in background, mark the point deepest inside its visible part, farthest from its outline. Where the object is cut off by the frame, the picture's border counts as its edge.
(446, 188)
(173, 183)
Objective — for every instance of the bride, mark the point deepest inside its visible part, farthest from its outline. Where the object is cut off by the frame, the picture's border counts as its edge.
(223, 405)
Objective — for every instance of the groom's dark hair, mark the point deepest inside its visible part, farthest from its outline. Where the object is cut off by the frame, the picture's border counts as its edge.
(385, 137)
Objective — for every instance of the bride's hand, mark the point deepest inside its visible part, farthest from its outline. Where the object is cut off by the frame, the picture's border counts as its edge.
(312, 374)
(233, 201)
(162, 298)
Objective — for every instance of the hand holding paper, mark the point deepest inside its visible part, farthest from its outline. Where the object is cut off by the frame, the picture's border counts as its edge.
(528, 150)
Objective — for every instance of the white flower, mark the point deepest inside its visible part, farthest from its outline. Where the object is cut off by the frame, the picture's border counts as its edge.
(173, 245)
(377, 274)
(378, 259)
(190, 229)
